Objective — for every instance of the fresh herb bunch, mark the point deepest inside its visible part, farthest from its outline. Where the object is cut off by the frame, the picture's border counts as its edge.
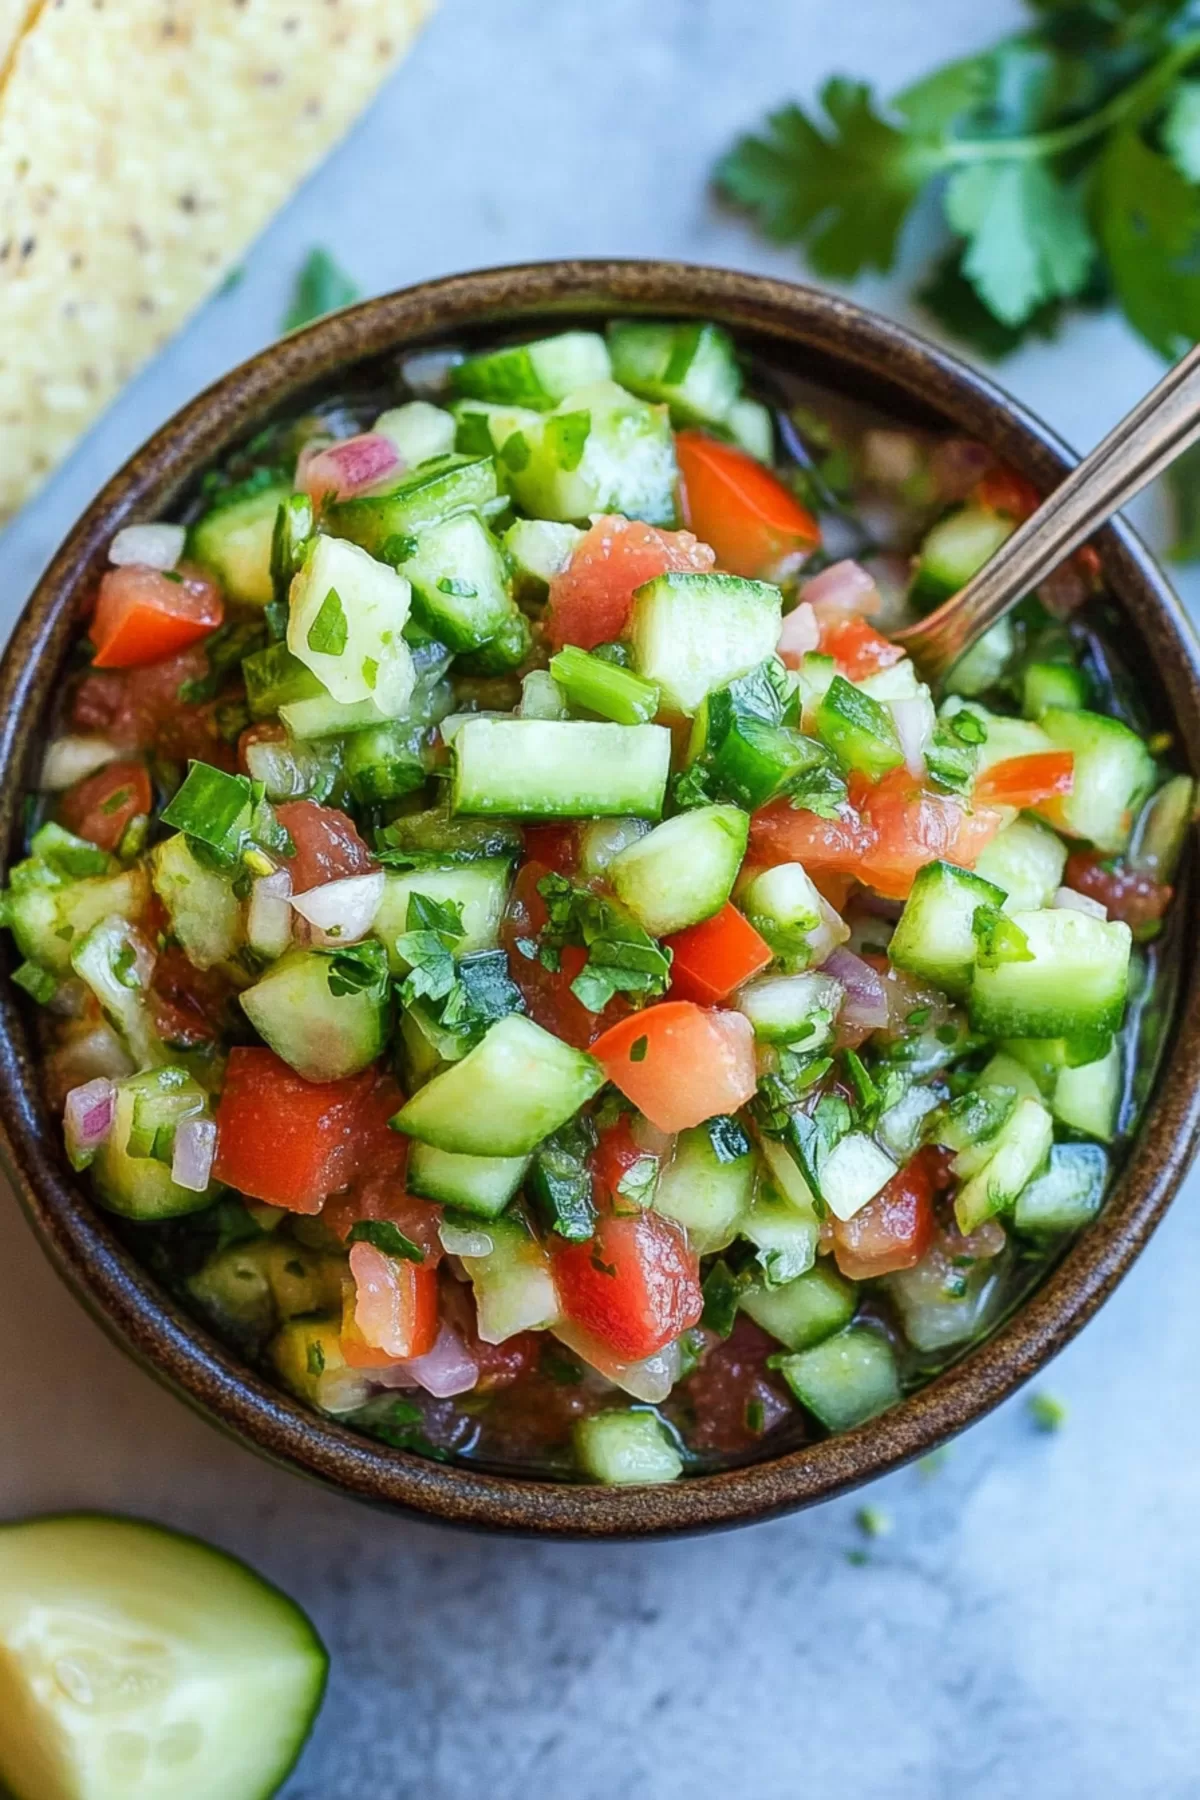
(1064, 161)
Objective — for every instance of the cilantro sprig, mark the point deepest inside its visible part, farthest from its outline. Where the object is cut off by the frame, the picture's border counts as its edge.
(622, 957)
(1064, 163)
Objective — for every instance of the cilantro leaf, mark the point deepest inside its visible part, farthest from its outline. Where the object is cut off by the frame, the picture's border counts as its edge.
(1183, 480)
(622, 957)
(1028, 239)
(385, 1236)
(359, 969)
(1150, 229)
(321, 287)
(1181, 130)
(638, 1183)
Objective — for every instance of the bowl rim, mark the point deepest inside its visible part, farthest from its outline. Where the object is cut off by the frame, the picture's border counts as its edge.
(846, 342)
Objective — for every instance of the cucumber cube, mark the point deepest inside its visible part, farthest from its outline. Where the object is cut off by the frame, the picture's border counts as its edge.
(1026, 859)
(347, 613)
(1074, 983)
(859, 730)
(855, 1170)
(626, 1449)
(786, 909)
(141, 1186)
(600, 451)
(459, 584)
(479, 888)
(1067, 1195)
(792, 1009)
(1020, 1148)
(691, 366)
(513, 1283)
(480, 1185)
(444, 485)
(705, 1195)
(694, 633)
(322, 1034)
(418, 430)
(206, 915)
(1114, 774)
(538, 549)
(1088, 1098)
(234, 541)
(559, 768)
(845, 1380)
(536, 375)
(955, 549)
(934, 938)
(803, 1312)
(684, 870)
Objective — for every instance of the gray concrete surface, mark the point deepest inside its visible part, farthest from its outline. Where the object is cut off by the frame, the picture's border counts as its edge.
(1027, 1630)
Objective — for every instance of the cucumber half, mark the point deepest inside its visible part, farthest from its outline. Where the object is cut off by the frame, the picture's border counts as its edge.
(140, 1664)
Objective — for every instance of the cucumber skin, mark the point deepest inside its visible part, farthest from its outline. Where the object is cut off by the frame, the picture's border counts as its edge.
(683, 871)
(530, 769)
(934, 939)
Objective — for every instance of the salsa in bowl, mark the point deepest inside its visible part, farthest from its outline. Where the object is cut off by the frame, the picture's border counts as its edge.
(525, 959)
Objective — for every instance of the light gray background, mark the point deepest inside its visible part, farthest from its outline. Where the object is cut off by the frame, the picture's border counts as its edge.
(1028, 1630)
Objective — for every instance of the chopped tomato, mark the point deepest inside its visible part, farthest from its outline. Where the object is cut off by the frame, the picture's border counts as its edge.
(857, 648)
(1127, 894)
(715, 957)
(328, 847)
(395, 1309)
(546, 992)
(285, 1140)
(892, 1231)
(189, 1005)
(781, 833)
(732, 1394)
(635, 1286)
(1002, 490)
(616, 1154)
(554, 846)
(591, 599)
(101, 806)
(735, 504)
(680, 1063)
(143, 709)
(1027, 780)
(143, 615)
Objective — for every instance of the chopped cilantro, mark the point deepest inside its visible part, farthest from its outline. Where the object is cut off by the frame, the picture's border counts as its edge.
(321, 287)
(385, 1236)
(329, 631)
(1047, 1413)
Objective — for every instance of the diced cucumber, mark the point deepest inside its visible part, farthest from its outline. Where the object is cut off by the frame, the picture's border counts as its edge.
(1052, 684)
(623, 1448)
(419, 431)
(479, 888)
(859, 730)
(321, 1033)
(1020, 1148)
(692, 367)
(318, 715)
(1088, 1098)
(290, 769)
(846, 1379)
(459, 583)
(1074, 982)
(901, 1128)
(593, 685)
(539, 549)
(538, 375)
(140, 1186)
(482, 426)
(1162, 829)
(855, 1170)
(482, 1185)
(206, 915)
(984, 664)
(934, 938)
(600, 451)
(559, 768)
(694, 633)
(113, 959)
(1068, 1195)
(1026, 860)
(307, 1357)
(792, 1009)
(506, 651)
(513, 1283)
(47, 921)
(941, 1304)
(385, 761)
(234, 1294)
(345, 624)
(445, 485)
(782, 1222)
(803, 1312)
(139, 1661)
(1004, 1071)
(955, 549)
(752, 429)
(233, 539)
(682, 871)
(603, 839)
(541, 697)
(516, 1087)
(1114, 772)
(706, 1195)
(786, 909)
(425, 1047)
(1006, 737)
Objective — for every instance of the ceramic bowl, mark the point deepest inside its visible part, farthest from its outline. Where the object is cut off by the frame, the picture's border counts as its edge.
(848, 350)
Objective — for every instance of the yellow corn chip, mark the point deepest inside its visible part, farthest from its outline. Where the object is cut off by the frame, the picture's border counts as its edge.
(143, 144)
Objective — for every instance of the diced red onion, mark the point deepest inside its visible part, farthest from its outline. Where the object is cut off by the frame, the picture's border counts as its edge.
(73, 758)
(153, 546)
(339, 471)
(800, 633)
(865, 1007)
(465, 1240)
(956, 464)
(269, 919)
(915, 724)
(844, 587)
(447, 1369)
(342, 912)
(88, 1116)
(192, 1157)
(1071, 900)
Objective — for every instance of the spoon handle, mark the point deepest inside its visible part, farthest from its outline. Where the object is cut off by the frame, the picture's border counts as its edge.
(1145, 442)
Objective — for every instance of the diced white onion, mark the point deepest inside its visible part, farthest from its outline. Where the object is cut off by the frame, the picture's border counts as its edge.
(799, 632)
(853, 1173)
(153, 546)
(1072, 900)
(447, 1369)
(269, 919)
(915, 722)
(192, 1157)
(87, 1117)
(342, 912)
(73, 758)
(427, 372)
(462, 1240)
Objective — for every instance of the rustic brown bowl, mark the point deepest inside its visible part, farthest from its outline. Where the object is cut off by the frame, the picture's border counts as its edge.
(852, 351)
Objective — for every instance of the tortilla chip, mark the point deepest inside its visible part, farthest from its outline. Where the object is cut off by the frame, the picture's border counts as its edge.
(143, 144)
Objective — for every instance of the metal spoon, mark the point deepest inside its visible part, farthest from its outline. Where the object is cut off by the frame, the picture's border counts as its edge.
(1147, 440)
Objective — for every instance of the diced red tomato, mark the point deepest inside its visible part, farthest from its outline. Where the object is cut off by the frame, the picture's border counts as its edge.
(839, 845)
(715, 957)
(912, 827)
(554, 846)
(141, 709)
(101, 806)
(635, 1286)
(546, 992)
(733, 1395)
(1002, 490)
(680, 1063)
(857, 648)
(285, 1140)
(616, 1153)
(735, 504)
(892, 1231)
(395, 1309)
(189, 1005)
(328, 847)
(591, 599)
(143, 615)
(1027, 780)
(1136, 898)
